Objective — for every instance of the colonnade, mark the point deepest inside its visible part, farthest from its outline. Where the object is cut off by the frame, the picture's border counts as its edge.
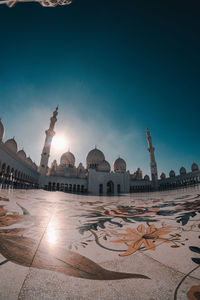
(14, 178)
(178, 182)
(167, 185)
(140, 188)
(66, 187)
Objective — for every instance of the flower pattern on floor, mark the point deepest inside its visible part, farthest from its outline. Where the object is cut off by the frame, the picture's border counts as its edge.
(143, 236)
(57, 232)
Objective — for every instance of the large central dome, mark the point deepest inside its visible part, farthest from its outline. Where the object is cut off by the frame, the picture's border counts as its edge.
(67, 159)
(94, 158)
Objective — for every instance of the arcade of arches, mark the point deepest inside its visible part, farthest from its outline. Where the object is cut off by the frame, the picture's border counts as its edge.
(110, 188)
(65, 187)
(14, 178)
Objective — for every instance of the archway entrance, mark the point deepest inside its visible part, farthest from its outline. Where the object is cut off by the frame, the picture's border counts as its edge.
(110, 187)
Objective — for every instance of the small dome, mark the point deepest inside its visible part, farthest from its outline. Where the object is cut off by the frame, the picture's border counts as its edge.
(29, 160)
(104, 166)
(162, 176)
(172, 173)
(194, 167)
(67, 159)
(2, 131)
(182, 171)
(119, 165)
(11, 145)
(146, 177)
(94, 158)
(21, 154)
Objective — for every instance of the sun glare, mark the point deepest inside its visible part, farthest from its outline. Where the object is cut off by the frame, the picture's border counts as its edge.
(51, 235)
(59, 142)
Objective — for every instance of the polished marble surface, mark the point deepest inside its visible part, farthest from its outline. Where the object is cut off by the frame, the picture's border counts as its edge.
(55, 245)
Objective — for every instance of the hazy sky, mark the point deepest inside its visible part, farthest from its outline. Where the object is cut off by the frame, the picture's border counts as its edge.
(114, 67)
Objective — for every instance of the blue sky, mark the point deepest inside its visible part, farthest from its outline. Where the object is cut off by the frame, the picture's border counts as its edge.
(115, 68)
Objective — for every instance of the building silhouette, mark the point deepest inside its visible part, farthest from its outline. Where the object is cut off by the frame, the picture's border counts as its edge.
(19, 171)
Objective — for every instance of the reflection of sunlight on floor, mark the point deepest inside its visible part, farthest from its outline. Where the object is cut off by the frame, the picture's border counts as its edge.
(51, 234)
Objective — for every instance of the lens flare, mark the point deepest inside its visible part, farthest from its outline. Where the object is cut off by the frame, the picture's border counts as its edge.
(59, 142)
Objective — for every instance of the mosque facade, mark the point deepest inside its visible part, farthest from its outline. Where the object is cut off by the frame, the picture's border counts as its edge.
(96, 177)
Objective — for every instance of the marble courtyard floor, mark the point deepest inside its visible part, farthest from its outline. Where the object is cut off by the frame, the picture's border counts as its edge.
(55, 245)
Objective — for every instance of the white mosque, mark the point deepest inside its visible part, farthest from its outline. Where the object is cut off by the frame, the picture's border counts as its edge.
(19, 171)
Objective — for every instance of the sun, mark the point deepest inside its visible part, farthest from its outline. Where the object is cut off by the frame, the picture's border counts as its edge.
(59, 142)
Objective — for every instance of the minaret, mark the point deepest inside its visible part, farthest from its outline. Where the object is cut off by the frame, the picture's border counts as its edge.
(2, 131)
(47, 144)
(153, 165)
